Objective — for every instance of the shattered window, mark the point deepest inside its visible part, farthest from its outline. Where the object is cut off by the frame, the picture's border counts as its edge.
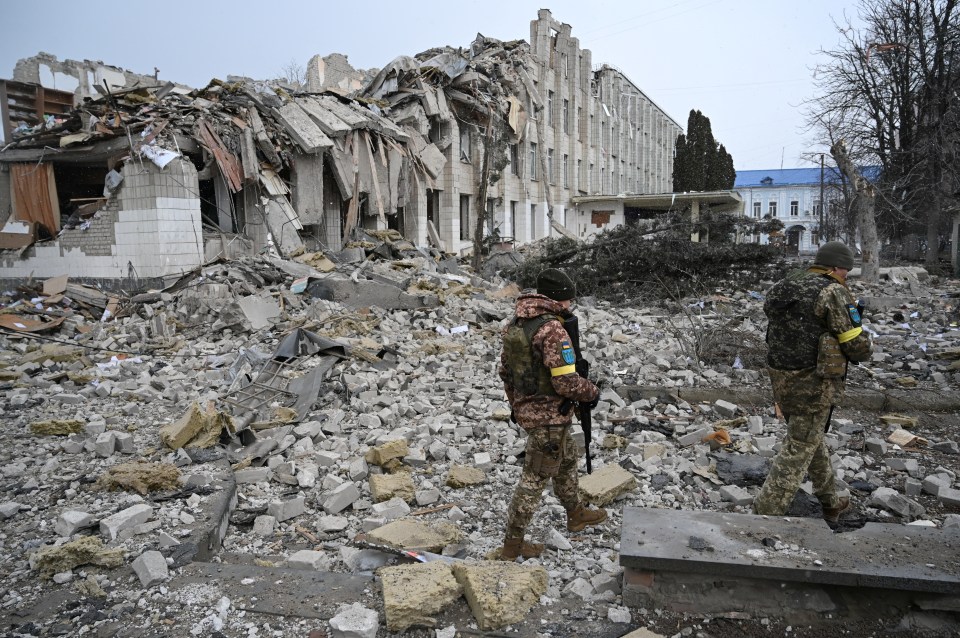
(464, 217)
(550, 108)
(533, 160)
(465, 150)
(566, 116)
(550, 171)
(515, 159)
(566, 171)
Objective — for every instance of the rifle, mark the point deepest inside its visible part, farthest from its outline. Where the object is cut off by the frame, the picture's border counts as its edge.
(572, 326)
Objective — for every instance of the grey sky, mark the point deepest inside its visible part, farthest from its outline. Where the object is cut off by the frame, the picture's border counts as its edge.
(746, 64)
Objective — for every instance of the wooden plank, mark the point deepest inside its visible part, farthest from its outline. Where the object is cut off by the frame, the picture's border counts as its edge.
(34, 193)
(327, 121)
(226, 161)
(272, 182)
(301, 128)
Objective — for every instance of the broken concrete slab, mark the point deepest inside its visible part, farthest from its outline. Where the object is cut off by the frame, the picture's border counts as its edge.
(653, 540)
(196, 428)
(354, 621)
(259, 310)
(500, 593)
(409, 534)
(606, 484)
(127, 518)
(889, 499)
(151, 568)
(414, 594)
(390, 450)
(363, 294)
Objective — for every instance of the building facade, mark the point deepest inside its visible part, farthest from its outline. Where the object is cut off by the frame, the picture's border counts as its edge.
(794, 196)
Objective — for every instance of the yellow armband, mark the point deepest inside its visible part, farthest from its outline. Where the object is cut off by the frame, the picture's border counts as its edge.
(562, 370)
(849, 335)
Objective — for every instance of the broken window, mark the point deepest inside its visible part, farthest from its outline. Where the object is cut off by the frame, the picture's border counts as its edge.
(465, 150)
(549, 108)
(464, 217)
(566, 170)
(433, 207)
(550, 172)
(515, 159)
(566, 116)
(513, 218)
(533, 160)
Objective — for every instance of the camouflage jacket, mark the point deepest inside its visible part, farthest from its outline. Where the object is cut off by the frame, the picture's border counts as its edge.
(551, 349)
(821, 306)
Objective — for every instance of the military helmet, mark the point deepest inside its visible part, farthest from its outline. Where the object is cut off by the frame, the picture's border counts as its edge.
(836, 254)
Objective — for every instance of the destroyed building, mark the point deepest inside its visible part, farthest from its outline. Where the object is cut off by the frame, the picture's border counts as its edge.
(142, 182)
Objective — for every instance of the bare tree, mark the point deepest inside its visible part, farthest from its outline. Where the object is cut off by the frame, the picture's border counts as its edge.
(890, 90)
(294, 73)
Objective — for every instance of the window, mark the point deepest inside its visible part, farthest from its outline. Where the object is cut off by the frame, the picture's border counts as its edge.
(817, 208)
(464, 144)
(772, 209)
(566, 116)
(549, 108)
(550, 172)
(590, 187)
(464, 217)
(513, 219)
(794, 208)
(580, 174)
(566, 170)
(565, 63)
(531, 227)
(533, 160)
(756, 209)
(580, 123)
(514, 159)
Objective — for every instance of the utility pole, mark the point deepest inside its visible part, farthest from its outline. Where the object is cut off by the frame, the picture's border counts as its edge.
(822, 205)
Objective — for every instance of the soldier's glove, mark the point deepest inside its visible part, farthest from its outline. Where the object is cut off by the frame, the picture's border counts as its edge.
(860, 307)
(590, 405)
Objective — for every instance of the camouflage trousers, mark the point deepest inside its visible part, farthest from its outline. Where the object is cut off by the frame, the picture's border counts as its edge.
(803, 452)
(526, 498)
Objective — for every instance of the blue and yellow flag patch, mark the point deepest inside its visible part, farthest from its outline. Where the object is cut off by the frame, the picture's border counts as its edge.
(566, 351)
(854, 314)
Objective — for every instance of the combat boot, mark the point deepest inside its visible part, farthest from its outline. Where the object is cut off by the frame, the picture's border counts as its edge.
(581, 517)
(832, 514)
(514, 547)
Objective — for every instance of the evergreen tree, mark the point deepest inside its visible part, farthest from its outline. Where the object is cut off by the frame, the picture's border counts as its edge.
(701, 163)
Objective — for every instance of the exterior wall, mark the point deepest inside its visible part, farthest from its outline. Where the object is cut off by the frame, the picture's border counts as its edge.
(615, 139)
(73, 75)
(151, 230)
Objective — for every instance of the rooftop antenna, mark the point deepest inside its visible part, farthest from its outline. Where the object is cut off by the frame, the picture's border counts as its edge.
(782, 151)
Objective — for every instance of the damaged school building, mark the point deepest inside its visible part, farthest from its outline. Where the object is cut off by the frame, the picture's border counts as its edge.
(133, 182)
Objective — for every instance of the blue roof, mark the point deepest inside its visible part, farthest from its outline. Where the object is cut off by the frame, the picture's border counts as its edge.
(793, 176)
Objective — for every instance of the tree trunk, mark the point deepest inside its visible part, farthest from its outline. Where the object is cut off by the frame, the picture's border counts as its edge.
(932, 257)
(481, 205)
(865, 203)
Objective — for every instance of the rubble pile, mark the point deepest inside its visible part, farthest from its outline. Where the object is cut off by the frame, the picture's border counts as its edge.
(331, 427)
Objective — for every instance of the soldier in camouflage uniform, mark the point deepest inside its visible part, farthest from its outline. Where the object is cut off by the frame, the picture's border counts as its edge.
(813, 331)
(537, 367)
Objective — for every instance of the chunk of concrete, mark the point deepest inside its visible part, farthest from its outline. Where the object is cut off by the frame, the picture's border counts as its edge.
(196, 428)
(407, 534)
(891, 500)
(384, 487)
(151, 568)
(284, 510)
(128, 518)
(354, 621)
(949, 496)
(308, 559)
(340, 498)
(461, 476)
(264, 525)
(606, 484)
(9, 509)
(390, 450)
(694, 437)
(876, 446)
(414, 594)
(725, 408)
(500, 593)
(70, 521)
(252, 475)
(736, 495)
(909, 466)
(391, 510)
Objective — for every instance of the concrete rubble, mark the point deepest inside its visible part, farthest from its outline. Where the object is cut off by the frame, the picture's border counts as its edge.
(392, 395)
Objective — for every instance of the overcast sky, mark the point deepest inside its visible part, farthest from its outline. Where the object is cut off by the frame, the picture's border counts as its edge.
(746, 64)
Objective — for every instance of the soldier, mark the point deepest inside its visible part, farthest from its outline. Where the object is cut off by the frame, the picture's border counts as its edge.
(813, 331)
(537, 367)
